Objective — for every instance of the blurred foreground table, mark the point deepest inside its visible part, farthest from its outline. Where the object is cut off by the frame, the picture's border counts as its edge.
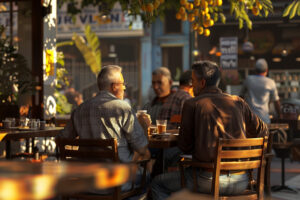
(25, 180)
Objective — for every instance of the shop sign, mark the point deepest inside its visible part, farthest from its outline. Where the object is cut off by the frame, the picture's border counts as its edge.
(119, 26)
(229, 50)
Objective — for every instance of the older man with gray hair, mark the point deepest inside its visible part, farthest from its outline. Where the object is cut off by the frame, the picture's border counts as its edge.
(107, 116)
(258, 90)
(161, 84)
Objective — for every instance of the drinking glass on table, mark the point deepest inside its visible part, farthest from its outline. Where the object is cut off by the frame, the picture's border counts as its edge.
(161, 125)
(152, 129)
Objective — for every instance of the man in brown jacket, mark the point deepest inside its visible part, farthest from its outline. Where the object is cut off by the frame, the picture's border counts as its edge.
(205, 118)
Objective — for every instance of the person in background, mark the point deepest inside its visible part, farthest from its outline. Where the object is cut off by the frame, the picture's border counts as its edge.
(74, 97)
(107, 116)
(161, 84)
(258, 90)
(209, 116)
(174, 103)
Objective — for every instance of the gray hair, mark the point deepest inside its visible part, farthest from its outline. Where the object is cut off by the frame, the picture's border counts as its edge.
(107, 76)
(163, 71)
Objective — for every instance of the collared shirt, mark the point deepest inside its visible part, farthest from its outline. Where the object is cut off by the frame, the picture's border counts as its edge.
(106, 116)
(214, 114)
(258, 92)
(173, 106)
(154, 107)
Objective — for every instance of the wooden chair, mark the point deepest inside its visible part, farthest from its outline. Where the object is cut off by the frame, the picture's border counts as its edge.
(233, 154)
(98, 150)
(175, 119)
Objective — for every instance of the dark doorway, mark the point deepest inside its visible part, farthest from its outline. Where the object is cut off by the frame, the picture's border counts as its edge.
(172, 58)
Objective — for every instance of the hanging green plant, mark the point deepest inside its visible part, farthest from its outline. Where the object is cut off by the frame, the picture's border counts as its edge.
(90, 49)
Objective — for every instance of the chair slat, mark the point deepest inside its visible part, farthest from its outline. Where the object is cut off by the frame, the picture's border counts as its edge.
(89, 154)
(241, 197)
(241, 153)
(240, 165)
(88, 142)
(242, 142)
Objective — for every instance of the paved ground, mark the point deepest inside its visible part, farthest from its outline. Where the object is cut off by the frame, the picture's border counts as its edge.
(292, 179)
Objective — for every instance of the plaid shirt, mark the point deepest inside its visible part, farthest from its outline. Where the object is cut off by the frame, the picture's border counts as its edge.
(106, 116)
(173, 106)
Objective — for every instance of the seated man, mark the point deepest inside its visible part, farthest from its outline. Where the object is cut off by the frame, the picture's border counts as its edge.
(161, 84)
(205, 118)
(174, 103)
(107, 116)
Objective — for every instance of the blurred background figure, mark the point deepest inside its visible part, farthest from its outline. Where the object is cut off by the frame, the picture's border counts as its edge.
(25, 111)
(74, 97)
(258, 90)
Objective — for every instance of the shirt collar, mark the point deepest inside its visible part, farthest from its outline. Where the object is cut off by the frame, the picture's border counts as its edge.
(107, 93)
(160, 100)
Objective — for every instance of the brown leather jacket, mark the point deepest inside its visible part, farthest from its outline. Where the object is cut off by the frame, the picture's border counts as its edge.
(214, 114)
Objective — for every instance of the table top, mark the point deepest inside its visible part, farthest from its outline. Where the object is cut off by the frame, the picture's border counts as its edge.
(162, 141)
(26, 180)
(14, 134)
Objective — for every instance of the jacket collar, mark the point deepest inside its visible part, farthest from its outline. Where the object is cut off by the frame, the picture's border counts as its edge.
(210, 89)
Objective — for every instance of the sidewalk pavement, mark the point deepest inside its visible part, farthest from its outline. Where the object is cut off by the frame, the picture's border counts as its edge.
(292, 179)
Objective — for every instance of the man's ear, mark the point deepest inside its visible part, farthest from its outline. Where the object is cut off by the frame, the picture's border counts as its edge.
(203, 83)
(113, 87)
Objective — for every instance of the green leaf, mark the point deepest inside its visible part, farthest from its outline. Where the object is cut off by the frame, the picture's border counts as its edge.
(294, 9)
(288, 9)
(223, 18)
(65, 43)
(241, 23)
(266, 13)
(91, 57)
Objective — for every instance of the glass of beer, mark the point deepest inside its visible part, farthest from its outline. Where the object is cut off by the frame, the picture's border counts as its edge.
(152, 129)
(161, 125)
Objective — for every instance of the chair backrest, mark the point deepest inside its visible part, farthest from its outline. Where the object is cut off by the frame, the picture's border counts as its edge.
(233, 155)
(103, 150)
(240, 154)
(88, 149)
(175, 119)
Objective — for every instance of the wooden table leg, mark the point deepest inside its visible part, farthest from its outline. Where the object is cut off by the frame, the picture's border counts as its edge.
(27, 145)
(8, 149)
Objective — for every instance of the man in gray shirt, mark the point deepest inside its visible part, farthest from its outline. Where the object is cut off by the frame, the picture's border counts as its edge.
(107, 115)
(258, 90)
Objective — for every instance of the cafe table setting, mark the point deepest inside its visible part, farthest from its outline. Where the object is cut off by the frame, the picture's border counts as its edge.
(26, 129)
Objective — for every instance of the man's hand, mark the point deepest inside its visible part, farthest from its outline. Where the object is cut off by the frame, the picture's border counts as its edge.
(145, 121)
(143, 154)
